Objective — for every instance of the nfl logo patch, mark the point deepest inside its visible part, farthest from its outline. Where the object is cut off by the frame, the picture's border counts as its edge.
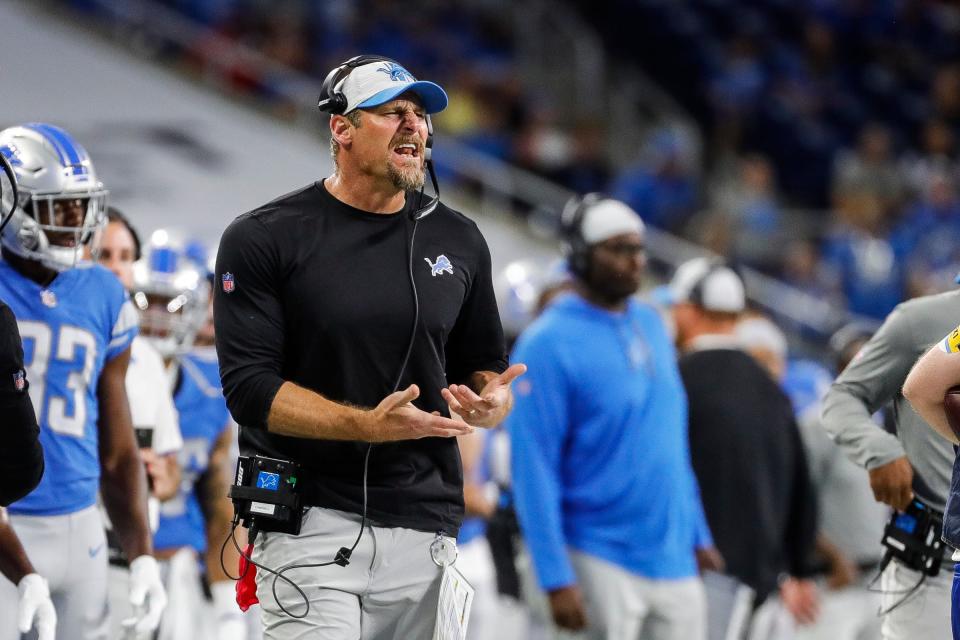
(227, 281)
(19, 381)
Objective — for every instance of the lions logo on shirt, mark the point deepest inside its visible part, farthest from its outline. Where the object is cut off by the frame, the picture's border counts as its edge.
(440, 265)
(951, 344)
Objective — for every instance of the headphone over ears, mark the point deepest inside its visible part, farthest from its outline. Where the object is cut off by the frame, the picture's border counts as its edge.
(571, 226)
(333, 101)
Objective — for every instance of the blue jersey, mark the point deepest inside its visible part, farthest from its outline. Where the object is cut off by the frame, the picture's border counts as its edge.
(203, 417)
(69, 330)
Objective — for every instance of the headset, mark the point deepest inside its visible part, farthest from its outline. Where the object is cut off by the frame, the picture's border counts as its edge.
(575, 247)
(8, 170)
(697, 292)
(333, 101)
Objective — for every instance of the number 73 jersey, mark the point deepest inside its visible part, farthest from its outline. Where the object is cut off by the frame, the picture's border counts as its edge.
(69, 329)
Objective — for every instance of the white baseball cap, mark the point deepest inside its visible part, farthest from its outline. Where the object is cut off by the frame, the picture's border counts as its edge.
(708, 284)
(608, 218)
(370, 85)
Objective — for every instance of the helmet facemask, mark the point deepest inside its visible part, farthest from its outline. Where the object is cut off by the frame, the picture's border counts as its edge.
(62, 226)
(172, 306)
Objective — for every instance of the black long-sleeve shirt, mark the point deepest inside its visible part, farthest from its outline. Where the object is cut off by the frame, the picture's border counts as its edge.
(749, 459)
(315, 292)
(21, 456)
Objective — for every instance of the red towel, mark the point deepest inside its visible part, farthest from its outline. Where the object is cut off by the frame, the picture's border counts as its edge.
(247, 584)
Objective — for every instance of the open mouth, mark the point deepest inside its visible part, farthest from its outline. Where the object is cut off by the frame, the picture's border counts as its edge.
(407, 149)
(66, 239)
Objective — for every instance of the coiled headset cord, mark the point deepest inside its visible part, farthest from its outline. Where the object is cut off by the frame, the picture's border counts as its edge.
(343, 555)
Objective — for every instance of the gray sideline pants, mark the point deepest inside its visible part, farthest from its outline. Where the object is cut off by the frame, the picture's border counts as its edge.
(388, 591)
(926, 614)
(70, 551)
(624, 606)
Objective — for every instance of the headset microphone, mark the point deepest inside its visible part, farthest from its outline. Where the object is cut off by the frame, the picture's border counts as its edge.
(333, 101)
(430, 207)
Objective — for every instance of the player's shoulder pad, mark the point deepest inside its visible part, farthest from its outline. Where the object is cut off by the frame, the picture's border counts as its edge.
(98, 276)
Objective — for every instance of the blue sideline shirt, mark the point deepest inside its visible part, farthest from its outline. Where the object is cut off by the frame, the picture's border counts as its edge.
(600, 456)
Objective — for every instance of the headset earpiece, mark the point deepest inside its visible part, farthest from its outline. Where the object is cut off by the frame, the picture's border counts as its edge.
(332, 99)
(697, 291)
(571, 222)
(428, 147)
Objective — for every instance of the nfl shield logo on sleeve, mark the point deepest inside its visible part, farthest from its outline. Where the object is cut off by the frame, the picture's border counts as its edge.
(227, 281)
(19, 380)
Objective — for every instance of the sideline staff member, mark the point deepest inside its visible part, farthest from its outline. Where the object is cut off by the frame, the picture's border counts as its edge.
(21, 456)
(915, 461)
(316, 297)
(605, 491)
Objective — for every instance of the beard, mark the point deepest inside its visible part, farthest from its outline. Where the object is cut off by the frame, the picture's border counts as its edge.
(406, 178)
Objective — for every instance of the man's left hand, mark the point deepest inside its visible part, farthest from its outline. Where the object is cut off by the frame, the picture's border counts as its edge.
(490, 407)
(801, 599)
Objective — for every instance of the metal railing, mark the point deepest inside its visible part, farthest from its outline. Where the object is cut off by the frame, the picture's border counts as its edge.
(497, 187)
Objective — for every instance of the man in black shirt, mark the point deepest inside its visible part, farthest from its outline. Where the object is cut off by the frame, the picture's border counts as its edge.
(352, 317)
(21, 456)
(746, 449)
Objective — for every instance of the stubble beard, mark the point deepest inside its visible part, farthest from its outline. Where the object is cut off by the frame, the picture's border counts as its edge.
(406, 179)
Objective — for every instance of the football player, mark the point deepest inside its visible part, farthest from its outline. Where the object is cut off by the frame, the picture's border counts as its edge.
(172, 294)
(76, 323)
(155, 419)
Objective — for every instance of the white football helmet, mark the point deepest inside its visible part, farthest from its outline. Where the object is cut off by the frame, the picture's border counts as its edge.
(171, 292)
(54, 173)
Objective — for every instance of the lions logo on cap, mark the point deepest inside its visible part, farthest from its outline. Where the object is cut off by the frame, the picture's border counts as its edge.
(396, 72)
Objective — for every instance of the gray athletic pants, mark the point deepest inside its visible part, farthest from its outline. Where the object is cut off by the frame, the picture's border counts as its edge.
(624, 606)
(388, 591)
(70, 551)
(925, 614)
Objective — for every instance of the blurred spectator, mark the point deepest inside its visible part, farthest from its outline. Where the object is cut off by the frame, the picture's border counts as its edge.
(746, 452)
(859, 252)
(945, 87)
(926, 238)
(587, 168)
(748, 202)
(804, 269)
(936, 156)
(870, 168)
(662, 187)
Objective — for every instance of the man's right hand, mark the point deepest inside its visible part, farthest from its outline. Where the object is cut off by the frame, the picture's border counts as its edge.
(566, 604)
(395, 418)
(892, 483)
